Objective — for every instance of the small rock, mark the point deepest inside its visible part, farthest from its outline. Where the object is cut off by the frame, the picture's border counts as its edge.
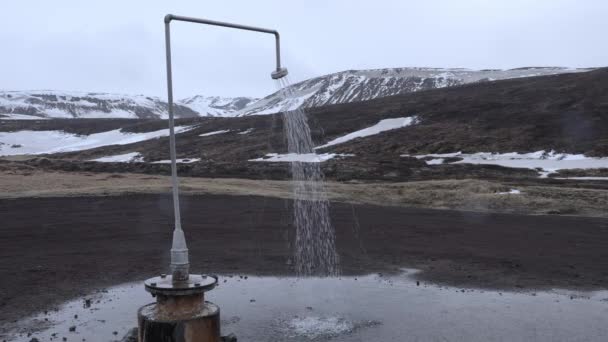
(75, 316)
(229, 338)
(252, 301)
(72, 328)
(33, 340)
(309, 308)
(115, 332)
(417, 283)
(65, 339)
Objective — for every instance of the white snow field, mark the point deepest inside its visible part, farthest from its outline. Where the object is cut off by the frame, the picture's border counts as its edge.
(303, 158)
(546, 162)
(381, 126)
(44, 142)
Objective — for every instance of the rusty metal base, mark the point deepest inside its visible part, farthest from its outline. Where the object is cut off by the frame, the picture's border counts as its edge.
(158, 325)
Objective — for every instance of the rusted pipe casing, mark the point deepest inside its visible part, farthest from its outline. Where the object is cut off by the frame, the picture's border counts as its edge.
(159, 322)
(180, 313)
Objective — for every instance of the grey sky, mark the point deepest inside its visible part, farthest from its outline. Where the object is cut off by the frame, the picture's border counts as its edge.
(117, 45)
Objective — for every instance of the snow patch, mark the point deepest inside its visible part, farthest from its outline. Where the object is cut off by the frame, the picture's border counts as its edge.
(382, 126)
(214, 133)
(132, 157)
(511, 192)
(179, 161)
(303, 158)
(246, 131)
(546, 162)
(437, 161)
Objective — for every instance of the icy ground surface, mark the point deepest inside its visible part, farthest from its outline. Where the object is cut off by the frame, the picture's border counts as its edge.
(546, 162)
(370, 308)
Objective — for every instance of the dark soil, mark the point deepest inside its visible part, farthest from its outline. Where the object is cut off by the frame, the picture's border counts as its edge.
(54, 249)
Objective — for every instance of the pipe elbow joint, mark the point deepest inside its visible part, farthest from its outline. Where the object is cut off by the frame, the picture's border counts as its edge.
(168, 18)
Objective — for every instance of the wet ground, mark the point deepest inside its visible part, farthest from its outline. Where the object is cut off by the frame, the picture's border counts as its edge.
(368, 308)
(57, 249)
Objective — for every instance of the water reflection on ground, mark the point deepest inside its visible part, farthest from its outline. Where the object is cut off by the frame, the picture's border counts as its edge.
(370, 308)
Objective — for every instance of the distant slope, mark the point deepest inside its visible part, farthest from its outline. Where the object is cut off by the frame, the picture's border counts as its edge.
(342, 87)
(59, 105)
(215, 105)
(361, 85)
(565, 113)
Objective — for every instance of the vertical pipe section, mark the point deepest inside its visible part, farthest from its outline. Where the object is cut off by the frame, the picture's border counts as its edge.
(179, 251)
(278, 48)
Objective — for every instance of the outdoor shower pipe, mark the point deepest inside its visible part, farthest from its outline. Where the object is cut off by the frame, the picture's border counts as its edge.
(179, 250)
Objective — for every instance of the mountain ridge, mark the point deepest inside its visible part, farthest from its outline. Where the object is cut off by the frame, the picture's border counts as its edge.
(341, 87)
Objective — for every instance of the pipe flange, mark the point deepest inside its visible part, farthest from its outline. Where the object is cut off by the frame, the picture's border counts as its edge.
(165, 286)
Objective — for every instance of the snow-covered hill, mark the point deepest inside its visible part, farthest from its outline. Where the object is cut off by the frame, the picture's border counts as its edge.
(361, 85)
(341, 87)
(215, 105)
(55, 104)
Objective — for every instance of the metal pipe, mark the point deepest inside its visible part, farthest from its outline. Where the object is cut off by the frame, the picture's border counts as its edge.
(179, 251)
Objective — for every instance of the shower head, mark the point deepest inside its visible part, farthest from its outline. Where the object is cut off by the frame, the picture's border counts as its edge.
(279, 73)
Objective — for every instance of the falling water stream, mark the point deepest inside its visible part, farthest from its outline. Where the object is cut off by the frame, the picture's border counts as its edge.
(315, 246)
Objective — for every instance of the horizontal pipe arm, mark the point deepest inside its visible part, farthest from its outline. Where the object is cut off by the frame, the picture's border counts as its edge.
(170, 17)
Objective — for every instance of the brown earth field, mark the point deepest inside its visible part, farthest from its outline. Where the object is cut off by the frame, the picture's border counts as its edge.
(57, 248)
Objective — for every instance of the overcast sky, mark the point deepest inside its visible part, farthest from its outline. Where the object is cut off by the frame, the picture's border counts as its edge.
(118, 45)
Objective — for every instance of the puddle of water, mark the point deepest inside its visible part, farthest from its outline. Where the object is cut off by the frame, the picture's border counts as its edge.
(370, 308)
